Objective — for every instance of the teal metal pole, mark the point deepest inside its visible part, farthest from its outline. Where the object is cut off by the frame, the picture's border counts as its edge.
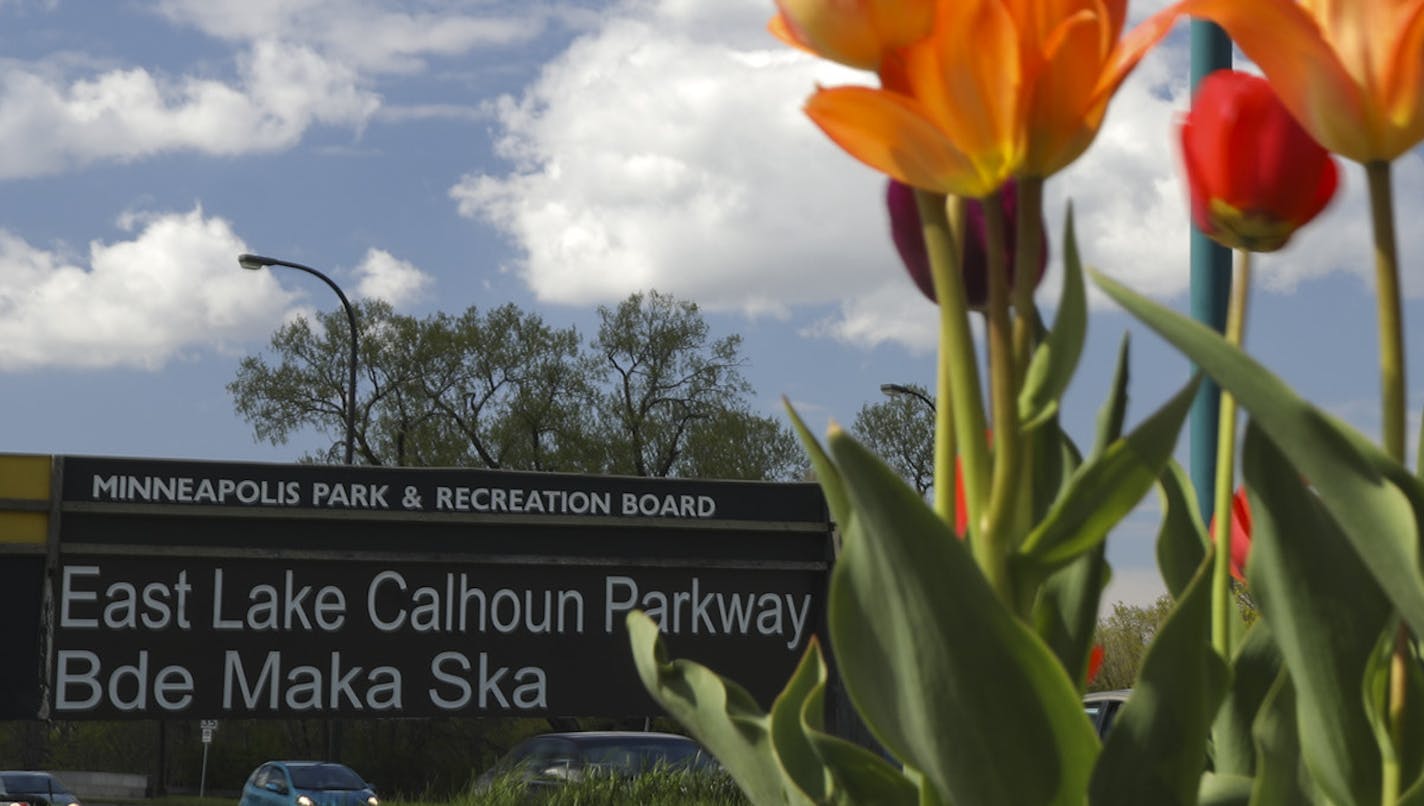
(1211, 285)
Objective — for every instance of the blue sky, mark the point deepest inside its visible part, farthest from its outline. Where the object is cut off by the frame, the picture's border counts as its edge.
(554, 154)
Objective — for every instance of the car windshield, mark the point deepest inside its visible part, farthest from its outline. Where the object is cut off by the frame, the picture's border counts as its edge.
(640, 755)
(28, 782)
(326, 776)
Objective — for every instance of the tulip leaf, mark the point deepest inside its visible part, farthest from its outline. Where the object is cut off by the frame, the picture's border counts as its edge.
(793, 749)
(1056, 358)
(1281, 776)
(927, 650)
(1254, 670)
(1327, 615)
(1220, 789)
(1181, 540)
(1055, 460)
(1377, 517)
(1156, 750)
(717, 712)
(1107, 487)
(1065, 614)
(860, 776)
(826, 473)
(1114, 409)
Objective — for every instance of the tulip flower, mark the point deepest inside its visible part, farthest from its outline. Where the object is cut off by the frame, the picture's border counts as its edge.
(1095, 662)
(998, 88)
(1254, 174)
(1349, 70)
(910, 242)
(1240, 533)
(853, 32)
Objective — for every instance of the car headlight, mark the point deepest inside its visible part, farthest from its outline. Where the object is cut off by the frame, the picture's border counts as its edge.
(303, 800)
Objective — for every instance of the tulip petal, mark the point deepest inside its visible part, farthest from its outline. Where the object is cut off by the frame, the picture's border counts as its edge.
(1287, 43)
(1404, 93)
(891, 133)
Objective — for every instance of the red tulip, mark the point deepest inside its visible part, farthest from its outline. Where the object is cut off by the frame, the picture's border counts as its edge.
(910, 242)
(1240, 533)
(1255, 175)
(1095, 662)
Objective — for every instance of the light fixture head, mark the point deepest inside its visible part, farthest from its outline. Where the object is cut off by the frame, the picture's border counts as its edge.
(253, 262)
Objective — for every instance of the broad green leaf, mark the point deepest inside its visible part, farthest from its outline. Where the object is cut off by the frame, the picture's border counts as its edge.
(826, 473)
(1114, 410)
(1377, 517)
(1181, 540)
(945, 676)
(1219, 789)
(1408, 754)
(1065, 614)
(793, 749)
(1056, 357)
(1326, 614)
(718, 713)
(1281, 776)
(1107, 487)
(1055, 460)
(1254, 670)
(1156, 750)
(859, 776)
(1411, 754)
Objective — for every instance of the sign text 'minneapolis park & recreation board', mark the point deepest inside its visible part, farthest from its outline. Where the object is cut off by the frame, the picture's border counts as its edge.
(159, 588)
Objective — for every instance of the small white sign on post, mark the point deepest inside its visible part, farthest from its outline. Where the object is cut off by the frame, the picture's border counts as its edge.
(208, 726)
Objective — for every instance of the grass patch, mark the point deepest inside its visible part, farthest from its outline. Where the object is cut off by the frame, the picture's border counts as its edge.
(656, 788)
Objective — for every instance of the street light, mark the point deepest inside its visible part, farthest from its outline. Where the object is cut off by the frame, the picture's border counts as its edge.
(257, 263)
(893, 389)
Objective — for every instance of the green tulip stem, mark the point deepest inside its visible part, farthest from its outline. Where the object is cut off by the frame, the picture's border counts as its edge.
(997, 524)
(1392, 401)
(1028, 251)
(1221, 599)
(1391, 321)
(958, 378)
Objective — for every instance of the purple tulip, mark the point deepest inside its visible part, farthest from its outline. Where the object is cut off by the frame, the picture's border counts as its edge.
(910, 243)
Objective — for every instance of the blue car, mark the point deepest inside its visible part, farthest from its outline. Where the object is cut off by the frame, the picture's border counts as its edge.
(306, 783)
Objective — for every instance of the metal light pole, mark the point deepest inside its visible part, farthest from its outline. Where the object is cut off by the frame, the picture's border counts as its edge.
(1211, 287)
(893, 389)
(257, 262)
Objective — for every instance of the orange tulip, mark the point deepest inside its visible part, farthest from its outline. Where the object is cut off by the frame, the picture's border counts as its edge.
(1351, 71)
(854, 32)
(998, 88)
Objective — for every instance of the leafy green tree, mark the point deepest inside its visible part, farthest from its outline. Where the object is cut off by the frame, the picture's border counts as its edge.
(737, 444)
(307, 387)
(653, 395)
(510, 388)
(665, 376)
(1124, 636)
(901, 430)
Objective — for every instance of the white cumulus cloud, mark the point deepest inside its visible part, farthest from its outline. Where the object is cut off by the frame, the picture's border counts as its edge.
(382, 275)
(370, 36)
(50, 123)
(173, 287)
(667, 149)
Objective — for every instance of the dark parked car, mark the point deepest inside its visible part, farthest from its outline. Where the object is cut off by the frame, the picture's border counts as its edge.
(35, 789)
(306, 783)
(552, 759)
(1102, 708)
